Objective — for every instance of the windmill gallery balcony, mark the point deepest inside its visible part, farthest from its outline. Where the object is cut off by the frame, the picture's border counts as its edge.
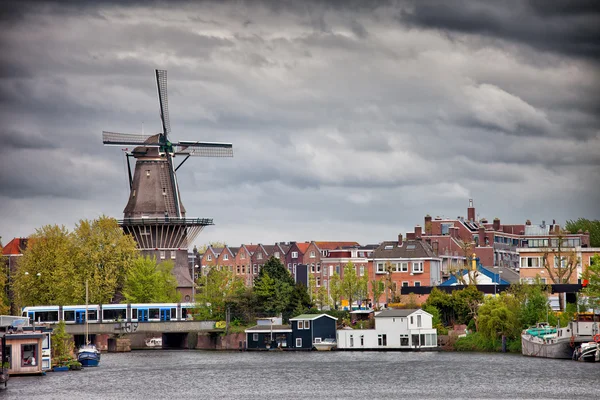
(167, 232)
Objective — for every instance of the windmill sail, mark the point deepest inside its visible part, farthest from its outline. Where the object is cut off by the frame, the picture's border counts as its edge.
(120, 139)
(161, 84)
(204, 149)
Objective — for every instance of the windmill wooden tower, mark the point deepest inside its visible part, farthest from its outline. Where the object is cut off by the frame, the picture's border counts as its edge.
(154, 214)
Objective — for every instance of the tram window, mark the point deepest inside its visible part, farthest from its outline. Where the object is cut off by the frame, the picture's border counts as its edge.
(173, 313)
(184, 313)
(134, 313)
(153, 313)
(45, 316)
(113, 315)
(92, 315)
(69, 316)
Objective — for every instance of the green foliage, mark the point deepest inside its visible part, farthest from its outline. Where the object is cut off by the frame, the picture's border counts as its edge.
(350, 284)
(459, 307)
(592, 275)
(497, 319)
(276, 270)
(56, 264)
(274, 289)
(436, 320)
(218, 289)
(377, 289)
(62, 343)
(147, 282)
(335, 289)
(592, 226)
(300, 301)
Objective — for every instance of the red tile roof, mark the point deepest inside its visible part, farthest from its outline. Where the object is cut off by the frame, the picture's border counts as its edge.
(303, 247)
(13, 247)
(334, 245)
(251, 247)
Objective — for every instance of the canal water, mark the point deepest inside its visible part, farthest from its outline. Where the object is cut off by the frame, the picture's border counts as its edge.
(172, 374)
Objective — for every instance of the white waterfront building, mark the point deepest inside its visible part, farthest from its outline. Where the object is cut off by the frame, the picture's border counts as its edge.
(394, 329)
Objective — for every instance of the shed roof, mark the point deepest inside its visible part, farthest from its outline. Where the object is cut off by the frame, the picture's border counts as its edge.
(397, 312)
(269, 328)
(310, 317)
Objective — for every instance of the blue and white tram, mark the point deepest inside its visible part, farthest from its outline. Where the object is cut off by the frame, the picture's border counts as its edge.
(106, 313)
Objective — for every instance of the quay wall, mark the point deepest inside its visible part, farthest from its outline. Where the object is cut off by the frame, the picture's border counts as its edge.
(212, 341)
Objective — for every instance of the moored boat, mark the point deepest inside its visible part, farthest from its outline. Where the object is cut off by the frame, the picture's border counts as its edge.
(154, 342)
(549, 342)
(589, 352)
(88, 355)
(325, 345)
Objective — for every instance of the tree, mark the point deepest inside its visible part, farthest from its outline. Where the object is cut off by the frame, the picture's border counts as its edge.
(103, 255)
(377, 288)
(147, 282)
(560, 262)
(586, 225)
(62, 343)
(218, 289)
(47, 273)
(465, 275)
(350, 284)
(362, 291)
(300, 301)
(4, 302)
(273, 287)
(335, 289)
(390, 286)
(592, 276)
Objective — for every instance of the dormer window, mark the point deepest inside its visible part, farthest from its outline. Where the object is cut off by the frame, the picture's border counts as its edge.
(312, 254)
(259, 256)
(294, 254)
(209, 257)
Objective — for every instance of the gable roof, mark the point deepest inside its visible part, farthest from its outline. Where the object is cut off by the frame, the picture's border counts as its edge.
(335, 245)
(311, 317)
(302, 247)
(390, 312)
(408, 249)
(14, 247)
(251, 247)
(216, 250)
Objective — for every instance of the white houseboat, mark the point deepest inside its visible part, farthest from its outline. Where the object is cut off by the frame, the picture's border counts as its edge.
(409, 329)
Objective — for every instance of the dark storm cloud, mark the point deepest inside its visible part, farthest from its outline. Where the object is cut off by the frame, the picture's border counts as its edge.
(568, 27)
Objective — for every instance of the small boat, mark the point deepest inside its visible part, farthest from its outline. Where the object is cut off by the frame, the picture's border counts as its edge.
(589, 352)
(325, 345)
(88, 355)
(154, 342)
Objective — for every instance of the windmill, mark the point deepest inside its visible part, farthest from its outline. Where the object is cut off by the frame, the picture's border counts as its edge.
(154, 214)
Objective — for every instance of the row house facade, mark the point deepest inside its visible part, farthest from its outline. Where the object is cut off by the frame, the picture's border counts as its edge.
(410, 262)
(11, 254)
(533, 262)
(495, 244)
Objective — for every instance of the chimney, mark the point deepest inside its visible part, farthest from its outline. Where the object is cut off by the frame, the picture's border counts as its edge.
(484, 221)
(471, 211)
(585, 239)
(410, 236)
(496, 224)
(528, 222)
(399, 239)
(418, 232)
(556, 229)
(481, 235)
(428, 224)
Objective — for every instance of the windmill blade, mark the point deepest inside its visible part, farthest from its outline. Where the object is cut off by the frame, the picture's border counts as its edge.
(119, 139)
(204, 149)
(161, 84)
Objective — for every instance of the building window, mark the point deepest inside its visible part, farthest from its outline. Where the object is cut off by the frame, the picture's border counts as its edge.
(318, 281)
(300, 324)
(418, 321)
(417, 283)
(411, 320)
(362, 340)
(255, 337)
(417, 267)
(294, 254)
(531, 262)
(173, 254)
(306, 324)
(209, 257)
(312, 268)
(243, 269)
(238, 270)
(562, 260)
(403, 267)
(404, 340)
(318, 268)
(362, 270)
(259, 256)
(380, 268)
(163, 255)
(382, 340)
(225, 256)
(276, 254)
(294, 268)
(29, 355)
(337, 269)
(404, 284)
(351, 340)
(298, 342)
(231, 268)
(255, 269)
(312, 254)
(289, 266)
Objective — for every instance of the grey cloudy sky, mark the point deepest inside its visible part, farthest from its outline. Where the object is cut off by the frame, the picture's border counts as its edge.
(350, 120)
